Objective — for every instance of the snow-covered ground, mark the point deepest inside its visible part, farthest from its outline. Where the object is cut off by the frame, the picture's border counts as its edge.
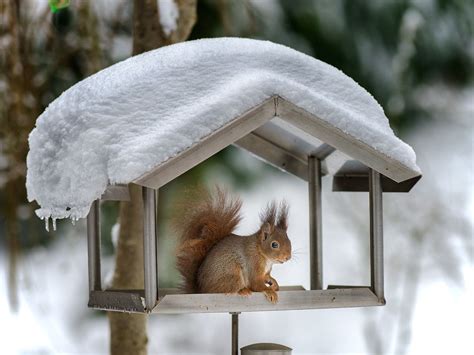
(53, 316)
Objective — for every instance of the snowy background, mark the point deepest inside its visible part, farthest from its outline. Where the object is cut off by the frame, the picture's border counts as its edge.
(435, 311)
(415, 57)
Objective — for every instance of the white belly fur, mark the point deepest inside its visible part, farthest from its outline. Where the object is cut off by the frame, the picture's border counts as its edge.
(268, 266)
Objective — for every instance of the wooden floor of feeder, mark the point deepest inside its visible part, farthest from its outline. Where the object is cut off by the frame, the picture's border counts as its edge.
(171, 301)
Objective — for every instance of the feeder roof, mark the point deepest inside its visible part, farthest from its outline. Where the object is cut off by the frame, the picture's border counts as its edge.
(153, 116)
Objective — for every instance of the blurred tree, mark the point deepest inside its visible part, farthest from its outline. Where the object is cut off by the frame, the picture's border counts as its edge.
(37, 62)
(392, 48)
(128, 331)
(14, 128)
(19, 106)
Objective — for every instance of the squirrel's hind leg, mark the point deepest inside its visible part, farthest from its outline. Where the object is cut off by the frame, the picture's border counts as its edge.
(245, 292)
(229, 282)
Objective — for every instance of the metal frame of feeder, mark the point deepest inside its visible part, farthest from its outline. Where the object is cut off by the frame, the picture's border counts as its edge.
(293, 140)
(292, 297)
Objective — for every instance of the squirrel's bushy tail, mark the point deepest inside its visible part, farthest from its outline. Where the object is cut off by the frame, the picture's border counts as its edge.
(202, 221)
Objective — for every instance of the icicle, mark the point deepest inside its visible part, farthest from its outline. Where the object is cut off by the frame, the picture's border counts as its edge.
(46, 223)
(54, 224)
(73, 221)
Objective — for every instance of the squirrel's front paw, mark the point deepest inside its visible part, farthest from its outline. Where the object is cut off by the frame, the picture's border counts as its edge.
(271, 295)
(272, 284)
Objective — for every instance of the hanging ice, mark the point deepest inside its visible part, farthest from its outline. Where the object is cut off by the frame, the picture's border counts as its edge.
(46, 223)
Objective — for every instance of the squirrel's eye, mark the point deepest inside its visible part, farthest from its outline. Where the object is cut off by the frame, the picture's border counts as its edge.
(275, 245)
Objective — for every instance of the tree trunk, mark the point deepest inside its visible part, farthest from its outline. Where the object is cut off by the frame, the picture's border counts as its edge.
(16, 121)
(128, 332)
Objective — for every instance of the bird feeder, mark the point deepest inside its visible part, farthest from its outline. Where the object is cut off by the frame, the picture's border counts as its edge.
(289, 110)
(294, 140)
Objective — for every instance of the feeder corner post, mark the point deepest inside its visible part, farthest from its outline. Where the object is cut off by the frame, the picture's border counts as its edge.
(93, 247)
(376, 235)
(150, 197)
(315, 223)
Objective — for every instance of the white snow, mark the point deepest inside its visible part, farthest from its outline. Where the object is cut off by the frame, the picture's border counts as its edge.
(115, 234)
(121, 122)
(169, 15)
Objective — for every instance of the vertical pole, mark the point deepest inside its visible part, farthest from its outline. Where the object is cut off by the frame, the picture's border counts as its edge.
(156, 242)
(149, 247)
(376, 234)
(235, 333)
(93, 246)
(315, 223)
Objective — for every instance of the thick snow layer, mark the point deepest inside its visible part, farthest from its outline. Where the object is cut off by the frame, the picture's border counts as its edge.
(121, 122)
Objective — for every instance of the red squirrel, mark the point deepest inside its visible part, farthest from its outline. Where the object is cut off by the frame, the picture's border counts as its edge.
(212, 259)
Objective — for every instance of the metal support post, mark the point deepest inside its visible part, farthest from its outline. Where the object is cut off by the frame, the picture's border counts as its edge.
(156, 243)
(376, 234)
(235, 333)
(315, 223)
(93, 246)
(149, 247)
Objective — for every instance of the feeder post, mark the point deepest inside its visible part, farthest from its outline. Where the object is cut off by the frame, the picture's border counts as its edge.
(235, 333)
(93, 246)
(315, 223)
(149, 247)
(376, 234)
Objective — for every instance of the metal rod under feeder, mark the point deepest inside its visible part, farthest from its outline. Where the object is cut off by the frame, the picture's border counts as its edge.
(235, 333)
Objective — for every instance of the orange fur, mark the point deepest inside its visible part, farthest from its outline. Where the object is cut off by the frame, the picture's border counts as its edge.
(212, 259)
(205, 220)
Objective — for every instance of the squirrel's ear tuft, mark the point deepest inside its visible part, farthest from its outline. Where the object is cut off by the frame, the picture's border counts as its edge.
(269, 214)
(266, 229)
(282, 220)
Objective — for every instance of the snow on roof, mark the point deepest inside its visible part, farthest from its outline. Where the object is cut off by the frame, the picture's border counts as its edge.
(121, 122)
